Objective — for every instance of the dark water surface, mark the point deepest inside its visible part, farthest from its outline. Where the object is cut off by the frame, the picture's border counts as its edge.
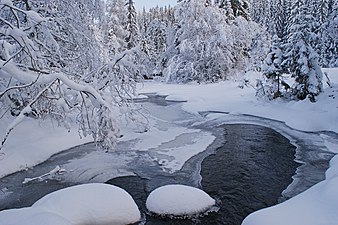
(247, 173)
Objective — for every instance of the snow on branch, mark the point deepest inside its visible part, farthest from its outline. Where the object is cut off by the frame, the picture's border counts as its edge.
(17, 87)
(53, 64)
(26, 111)
(13, 71)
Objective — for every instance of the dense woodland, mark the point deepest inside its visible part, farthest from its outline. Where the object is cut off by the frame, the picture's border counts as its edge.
(79, 61)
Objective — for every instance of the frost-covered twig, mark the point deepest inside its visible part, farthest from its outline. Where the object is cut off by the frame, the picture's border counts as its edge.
(17, 87)
(56, 170)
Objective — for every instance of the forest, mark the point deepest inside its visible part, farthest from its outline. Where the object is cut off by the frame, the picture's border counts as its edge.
(81, 60)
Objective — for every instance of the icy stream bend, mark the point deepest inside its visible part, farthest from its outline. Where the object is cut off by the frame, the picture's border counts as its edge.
(156, 158)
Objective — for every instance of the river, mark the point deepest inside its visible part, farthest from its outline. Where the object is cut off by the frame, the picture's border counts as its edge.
(249, 166)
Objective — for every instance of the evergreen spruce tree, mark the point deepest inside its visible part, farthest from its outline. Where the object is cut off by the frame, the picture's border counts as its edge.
(234, 8)
(301, 57)
(131, 27)
(280, 19)
(228, 9)
(241, 8)
(272, 69)
(329, 37)
(255, 11)
(117, 20)
(208, 3)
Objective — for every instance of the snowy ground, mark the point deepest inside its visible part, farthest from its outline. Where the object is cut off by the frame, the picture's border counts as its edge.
(33, 142)
(228, 97)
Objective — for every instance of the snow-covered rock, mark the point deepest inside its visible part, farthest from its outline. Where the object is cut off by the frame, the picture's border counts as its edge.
(30, 216)
(85, 204)
(178, 200)
(91, 204)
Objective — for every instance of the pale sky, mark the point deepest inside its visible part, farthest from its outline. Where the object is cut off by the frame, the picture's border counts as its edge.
(151, 3)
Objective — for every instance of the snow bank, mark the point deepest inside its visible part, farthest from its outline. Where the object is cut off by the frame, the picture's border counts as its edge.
(33, 142)
(178, 200)
(91, 204)
(85, 204)
(316, 206)
(228, 97)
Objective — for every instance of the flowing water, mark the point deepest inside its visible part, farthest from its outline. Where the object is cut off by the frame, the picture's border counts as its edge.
(248, 167)
(247, 173)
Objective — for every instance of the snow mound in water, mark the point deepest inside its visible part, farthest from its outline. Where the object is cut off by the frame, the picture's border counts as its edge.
(178, 200)
(30, 216)
(91, 204)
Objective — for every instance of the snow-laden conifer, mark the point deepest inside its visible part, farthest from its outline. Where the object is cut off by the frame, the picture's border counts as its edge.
(301, 57)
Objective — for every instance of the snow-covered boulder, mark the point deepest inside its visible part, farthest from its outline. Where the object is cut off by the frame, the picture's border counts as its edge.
(178, 200)
(30, 216)
(89, 204)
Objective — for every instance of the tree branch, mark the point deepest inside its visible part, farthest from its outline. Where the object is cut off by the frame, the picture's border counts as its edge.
(23, 114)
(17, 87)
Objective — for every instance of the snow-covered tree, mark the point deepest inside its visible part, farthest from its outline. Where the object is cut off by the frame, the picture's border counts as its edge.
(155, 28)
(280, 19)
(272, 69)
(259, 46)
(117, 22)
(49, 60)
(208, 45)
(208, 3)
(241, 8)
(329, 38)
(200, 43)
(132, 28)
(156, 41)
(234, 8)
(301, 57)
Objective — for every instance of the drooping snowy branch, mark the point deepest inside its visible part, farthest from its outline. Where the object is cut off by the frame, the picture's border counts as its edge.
(11, 70)
(54, 64)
